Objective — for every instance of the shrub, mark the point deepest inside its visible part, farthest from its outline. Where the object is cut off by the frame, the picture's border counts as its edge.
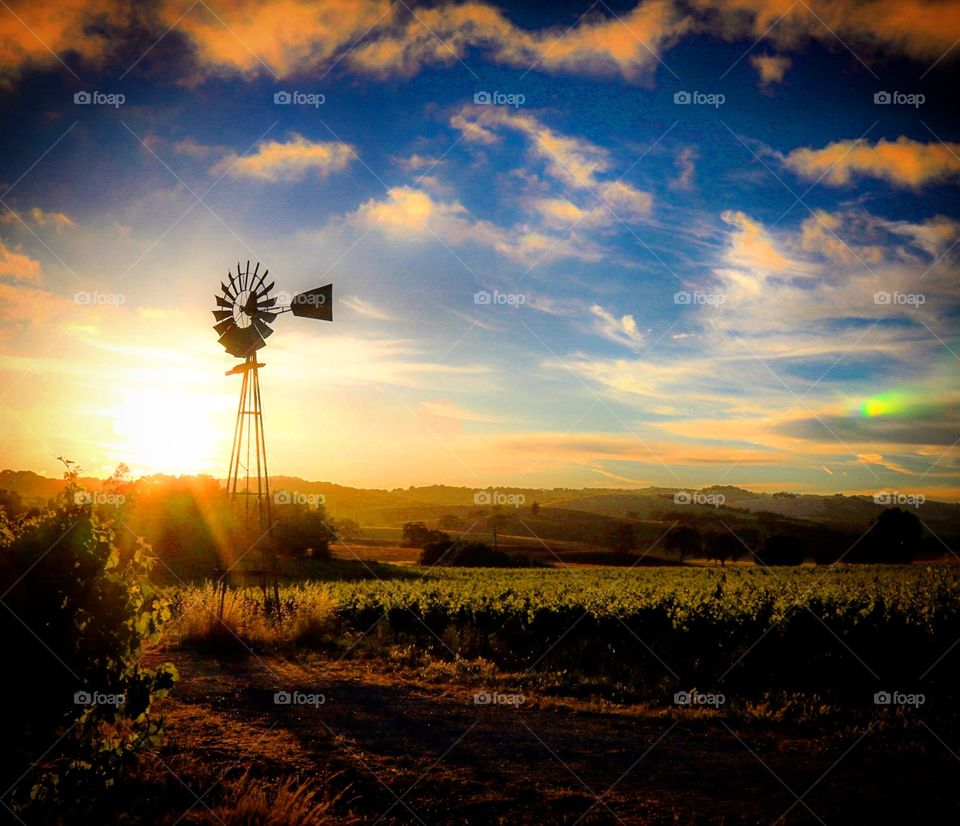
(77, 615)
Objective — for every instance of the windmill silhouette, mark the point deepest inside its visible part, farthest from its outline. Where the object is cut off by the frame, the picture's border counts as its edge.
(245, 311)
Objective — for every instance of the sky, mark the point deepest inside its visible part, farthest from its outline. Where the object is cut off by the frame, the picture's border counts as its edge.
(572, 245)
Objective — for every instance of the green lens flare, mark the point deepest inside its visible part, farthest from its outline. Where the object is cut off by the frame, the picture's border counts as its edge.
(884, 404)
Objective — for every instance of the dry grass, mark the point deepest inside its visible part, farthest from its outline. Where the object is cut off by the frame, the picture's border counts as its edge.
(247, 801)
(308, 611)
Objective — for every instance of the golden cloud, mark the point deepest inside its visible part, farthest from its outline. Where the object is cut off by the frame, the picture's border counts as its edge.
(290, 161)
(18, 266)
(903, 162)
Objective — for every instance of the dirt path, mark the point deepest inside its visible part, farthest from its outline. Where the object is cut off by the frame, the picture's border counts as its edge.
(416, 752)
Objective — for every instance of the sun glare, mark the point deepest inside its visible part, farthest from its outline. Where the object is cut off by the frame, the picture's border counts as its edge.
(166, 432)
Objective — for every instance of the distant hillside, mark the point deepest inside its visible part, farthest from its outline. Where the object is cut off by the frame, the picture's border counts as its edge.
(653, 505)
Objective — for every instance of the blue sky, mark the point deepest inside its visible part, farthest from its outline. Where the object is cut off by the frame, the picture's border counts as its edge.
(757, 287)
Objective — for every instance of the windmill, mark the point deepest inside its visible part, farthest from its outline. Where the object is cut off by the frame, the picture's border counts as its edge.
(245, 311)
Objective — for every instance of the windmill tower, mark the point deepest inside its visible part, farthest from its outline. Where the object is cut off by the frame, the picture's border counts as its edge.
(245, 311)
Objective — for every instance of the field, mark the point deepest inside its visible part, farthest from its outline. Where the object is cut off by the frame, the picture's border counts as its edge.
(527, 694)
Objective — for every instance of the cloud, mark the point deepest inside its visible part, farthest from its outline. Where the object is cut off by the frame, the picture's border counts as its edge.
(923, 30)
(443, 408)
(365, 308)
(903, 162)
(39, 218)
(686, 165)
(18, 266)
(621, 330)
(33, 34)
(285, 37)
(628, 45)
(770, 67)
(574, 162)
(410, 214)
(290, 161)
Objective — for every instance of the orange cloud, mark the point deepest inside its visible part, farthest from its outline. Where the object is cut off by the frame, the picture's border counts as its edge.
(290, 161)
(920, 29)
(770, 67)
(279, 37)
(33, 34)
(40, 218)
(903, 162)
(18, 266)
(628, 45)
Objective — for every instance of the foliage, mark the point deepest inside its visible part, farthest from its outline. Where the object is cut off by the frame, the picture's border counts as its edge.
(782, 549)
(78, 613)
(418, 535)
(686, 541)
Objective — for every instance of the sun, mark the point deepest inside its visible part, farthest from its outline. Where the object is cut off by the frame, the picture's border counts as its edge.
(166, 431)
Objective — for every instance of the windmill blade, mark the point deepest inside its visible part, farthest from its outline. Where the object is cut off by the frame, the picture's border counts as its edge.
(316, 303)
(224, 325)
(263, 316)
(262, 328)
(234, 284)
(269, 286)
(227, 291)
(222, 302)
(220, 315)
(267, 302)
(259, 282)
(241, 341)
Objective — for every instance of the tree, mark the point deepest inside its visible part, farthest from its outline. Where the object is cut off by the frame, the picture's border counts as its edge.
(782, 549)
(723, 546)
(535, 508)
(896, 535)
(684, 540)
(450, 522)
(418, 535)
(348, 529)
(622, 539)
(303, 532)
